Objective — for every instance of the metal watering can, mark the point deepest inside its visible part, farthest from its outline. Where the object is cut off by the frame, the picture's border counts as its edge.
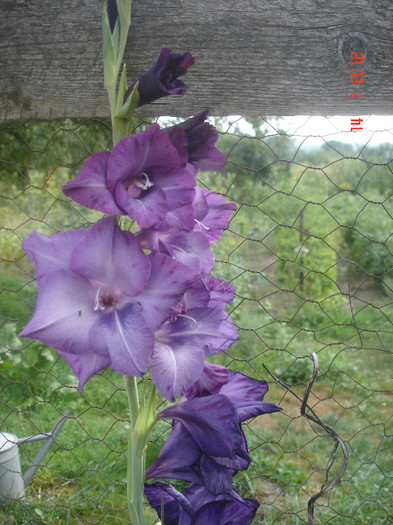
(12, 481)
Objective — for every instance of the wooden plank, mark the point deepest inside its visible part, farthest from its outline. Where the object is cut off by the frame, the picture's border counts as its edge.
(253, 57)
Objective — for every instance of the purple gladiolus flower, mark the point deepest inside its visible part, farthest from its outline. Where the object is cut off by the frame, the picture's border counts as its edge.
(101, 298)
(198, 506)
(141, 177)
(208, 433)
(186, 232)
(162, 79)
(182, 343)
(199, 148)
(209, 457)
(211, 213)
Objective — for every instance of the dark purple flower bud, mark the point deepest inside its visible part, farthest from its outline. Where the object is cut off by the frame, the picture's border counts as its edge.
(207, 429)
(162, 79)
(201, 140)
(208, 433)
(198, 506)
(245, 392)
(113, 13)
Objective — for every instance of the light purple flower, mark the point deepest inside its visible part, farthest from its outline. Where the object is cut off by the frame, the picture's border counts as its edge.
(162, 79)
(199, 148)
(187, 232)
(189, 247)
(202, 328)
(101, 298)
(211, 213)
(141, 177)
(198, 506)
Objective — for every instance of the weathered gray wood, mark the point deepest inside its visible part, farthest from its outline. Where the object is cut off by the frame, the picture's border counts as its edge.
(253, 57)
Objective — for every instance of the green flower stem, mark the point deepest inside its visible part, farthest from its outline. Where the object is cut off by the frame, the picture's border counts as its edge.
(133, 399)
(119, 129)
(135, 474)
(142, 418)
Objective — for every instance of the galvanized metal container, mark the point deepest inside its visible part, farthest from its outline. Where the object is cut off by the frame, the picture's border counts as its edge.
(11, 479)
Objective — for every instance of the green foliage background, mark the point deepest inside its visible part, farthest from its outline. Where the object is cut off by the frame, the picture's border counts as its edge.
(309, 252)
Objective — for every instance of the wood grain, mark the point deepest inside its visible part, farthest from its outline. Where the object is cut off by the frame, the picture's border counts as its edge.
(253, 57)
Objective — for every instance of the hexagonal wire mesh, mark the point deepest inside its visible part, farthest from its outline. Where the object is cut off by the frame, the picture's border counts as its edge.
(309, 251)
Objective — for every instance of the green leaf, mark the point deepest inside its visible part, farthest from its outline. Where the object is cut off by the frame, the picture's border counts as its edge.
(109, 51)
(145, 422)
(122, 88)
(126, 111)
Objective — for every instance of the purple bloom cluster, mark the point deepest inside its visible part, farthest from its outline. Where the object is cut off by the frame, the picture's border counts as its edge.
(207, 428)
(102, 300)
(108, 297)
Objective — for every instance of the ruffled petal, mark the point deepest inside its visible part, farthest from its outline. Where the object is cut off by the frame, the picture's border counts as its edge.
(89, 187)
(212, 421)
(210, 382)
(148, 210)
(52, 253)
(178, 185)
(137, 153)
(160, 493)
(218, 216)
(223, 509)
(192, 249)
(247, 394)
(170, 464)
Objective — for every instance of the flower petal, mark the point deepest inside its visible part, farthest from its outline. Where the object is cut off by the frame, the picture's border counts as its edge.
(178, 185)
(52, 253)
(223, 509)
(89, 187)
(218, 216)
(138, 153)
(221, 292)
(210, 382)
(247, 394)
(160, 493)
(212, 421)
(167, 283)
(175, 367)
(64, 313)
(128, 339)
(148, 210)
(192, 249)
(112, 258)
(86, 365)
(171, 464)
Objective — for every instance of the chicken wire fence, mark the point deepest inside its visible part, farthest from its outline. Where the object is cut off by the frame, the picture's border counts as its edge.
(309, 251)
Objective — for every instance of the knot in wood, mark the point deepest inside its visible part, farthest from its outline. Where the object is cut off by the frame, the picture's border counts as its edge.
(353, 43)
